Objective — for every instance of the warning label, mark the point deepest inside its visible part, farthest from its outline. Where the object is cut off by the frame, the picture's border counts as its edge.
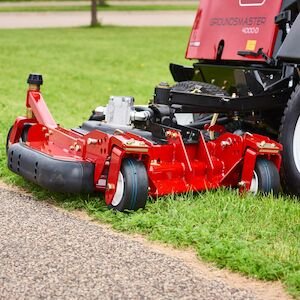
(251, 45)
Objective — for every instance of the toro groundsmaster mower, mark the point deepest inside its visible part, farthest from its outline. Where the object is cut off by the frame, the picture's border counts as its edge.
(195, 135)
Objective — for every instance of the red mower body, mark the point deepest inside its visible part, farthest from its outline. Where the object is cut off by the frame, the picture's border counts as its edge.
(233, 25)
(247, 51)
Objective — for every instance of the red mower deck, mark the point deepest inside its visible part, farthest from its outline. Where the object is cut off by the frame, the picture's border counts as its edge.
(128, 163)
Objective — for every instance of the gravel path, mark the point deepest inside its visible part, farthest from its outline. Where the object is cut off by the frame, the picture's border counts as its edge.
(49, 254)
(83, 18)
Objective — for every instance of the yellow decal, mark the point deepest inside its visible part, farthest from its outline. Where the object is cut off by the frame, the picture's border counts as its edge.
(251, 45)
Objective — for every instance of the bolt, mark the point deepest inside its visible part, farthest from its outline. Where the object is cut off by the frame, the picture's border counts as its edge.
(242, 183)
(130, 142)
(77, 147)
(118, 131)
(226, 143)
(110, 186)
(168, 134)
(91, 141)
(262, 144)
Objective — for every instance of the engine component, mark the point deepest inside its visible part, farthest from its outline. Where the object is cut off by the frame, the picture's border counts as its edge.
(162, 93)
(119, 110)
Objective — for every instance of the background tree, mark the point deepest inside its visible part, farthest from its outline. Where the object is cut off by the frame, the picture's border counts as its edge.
(94, 21)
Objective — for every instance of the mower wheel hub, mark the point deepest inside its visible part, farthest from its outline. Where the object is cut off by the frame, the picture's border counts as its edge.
(296, 145)
(254, 184)
(119, 191)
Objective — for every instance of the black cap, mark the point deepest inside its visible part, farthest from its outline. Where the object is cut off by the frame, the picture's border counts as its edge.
(35, 79)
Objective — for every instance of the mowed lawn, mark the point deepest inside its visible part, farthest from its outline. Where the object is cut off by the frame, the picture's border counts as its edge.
(257, 236)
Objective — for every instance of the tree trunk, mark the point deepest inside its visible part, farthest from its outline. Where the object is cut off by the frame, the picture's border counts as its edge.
(101, 2)
(94, 21)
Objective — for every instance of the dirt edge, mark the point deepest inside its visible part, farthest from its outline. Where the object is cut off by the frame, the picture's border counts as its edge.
(261, 289)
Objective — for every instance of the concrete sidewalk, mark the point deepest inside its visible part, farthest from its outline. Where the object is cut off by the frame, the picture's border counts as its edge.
(116, 18)
(87, 2)
(46, 253)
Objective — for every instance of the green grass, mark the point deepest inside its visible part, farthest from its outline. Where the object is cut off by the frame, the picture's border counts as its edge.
(104, 8)
(257, 236)
(249, 235)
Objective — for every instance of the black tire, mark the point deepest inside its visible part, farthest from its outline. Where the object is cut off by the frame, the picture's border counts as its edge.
(289, 137)
(24, 134)
(23, 138)
(266, 176)
(7, 139)
(132, 186)
(198, 87)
